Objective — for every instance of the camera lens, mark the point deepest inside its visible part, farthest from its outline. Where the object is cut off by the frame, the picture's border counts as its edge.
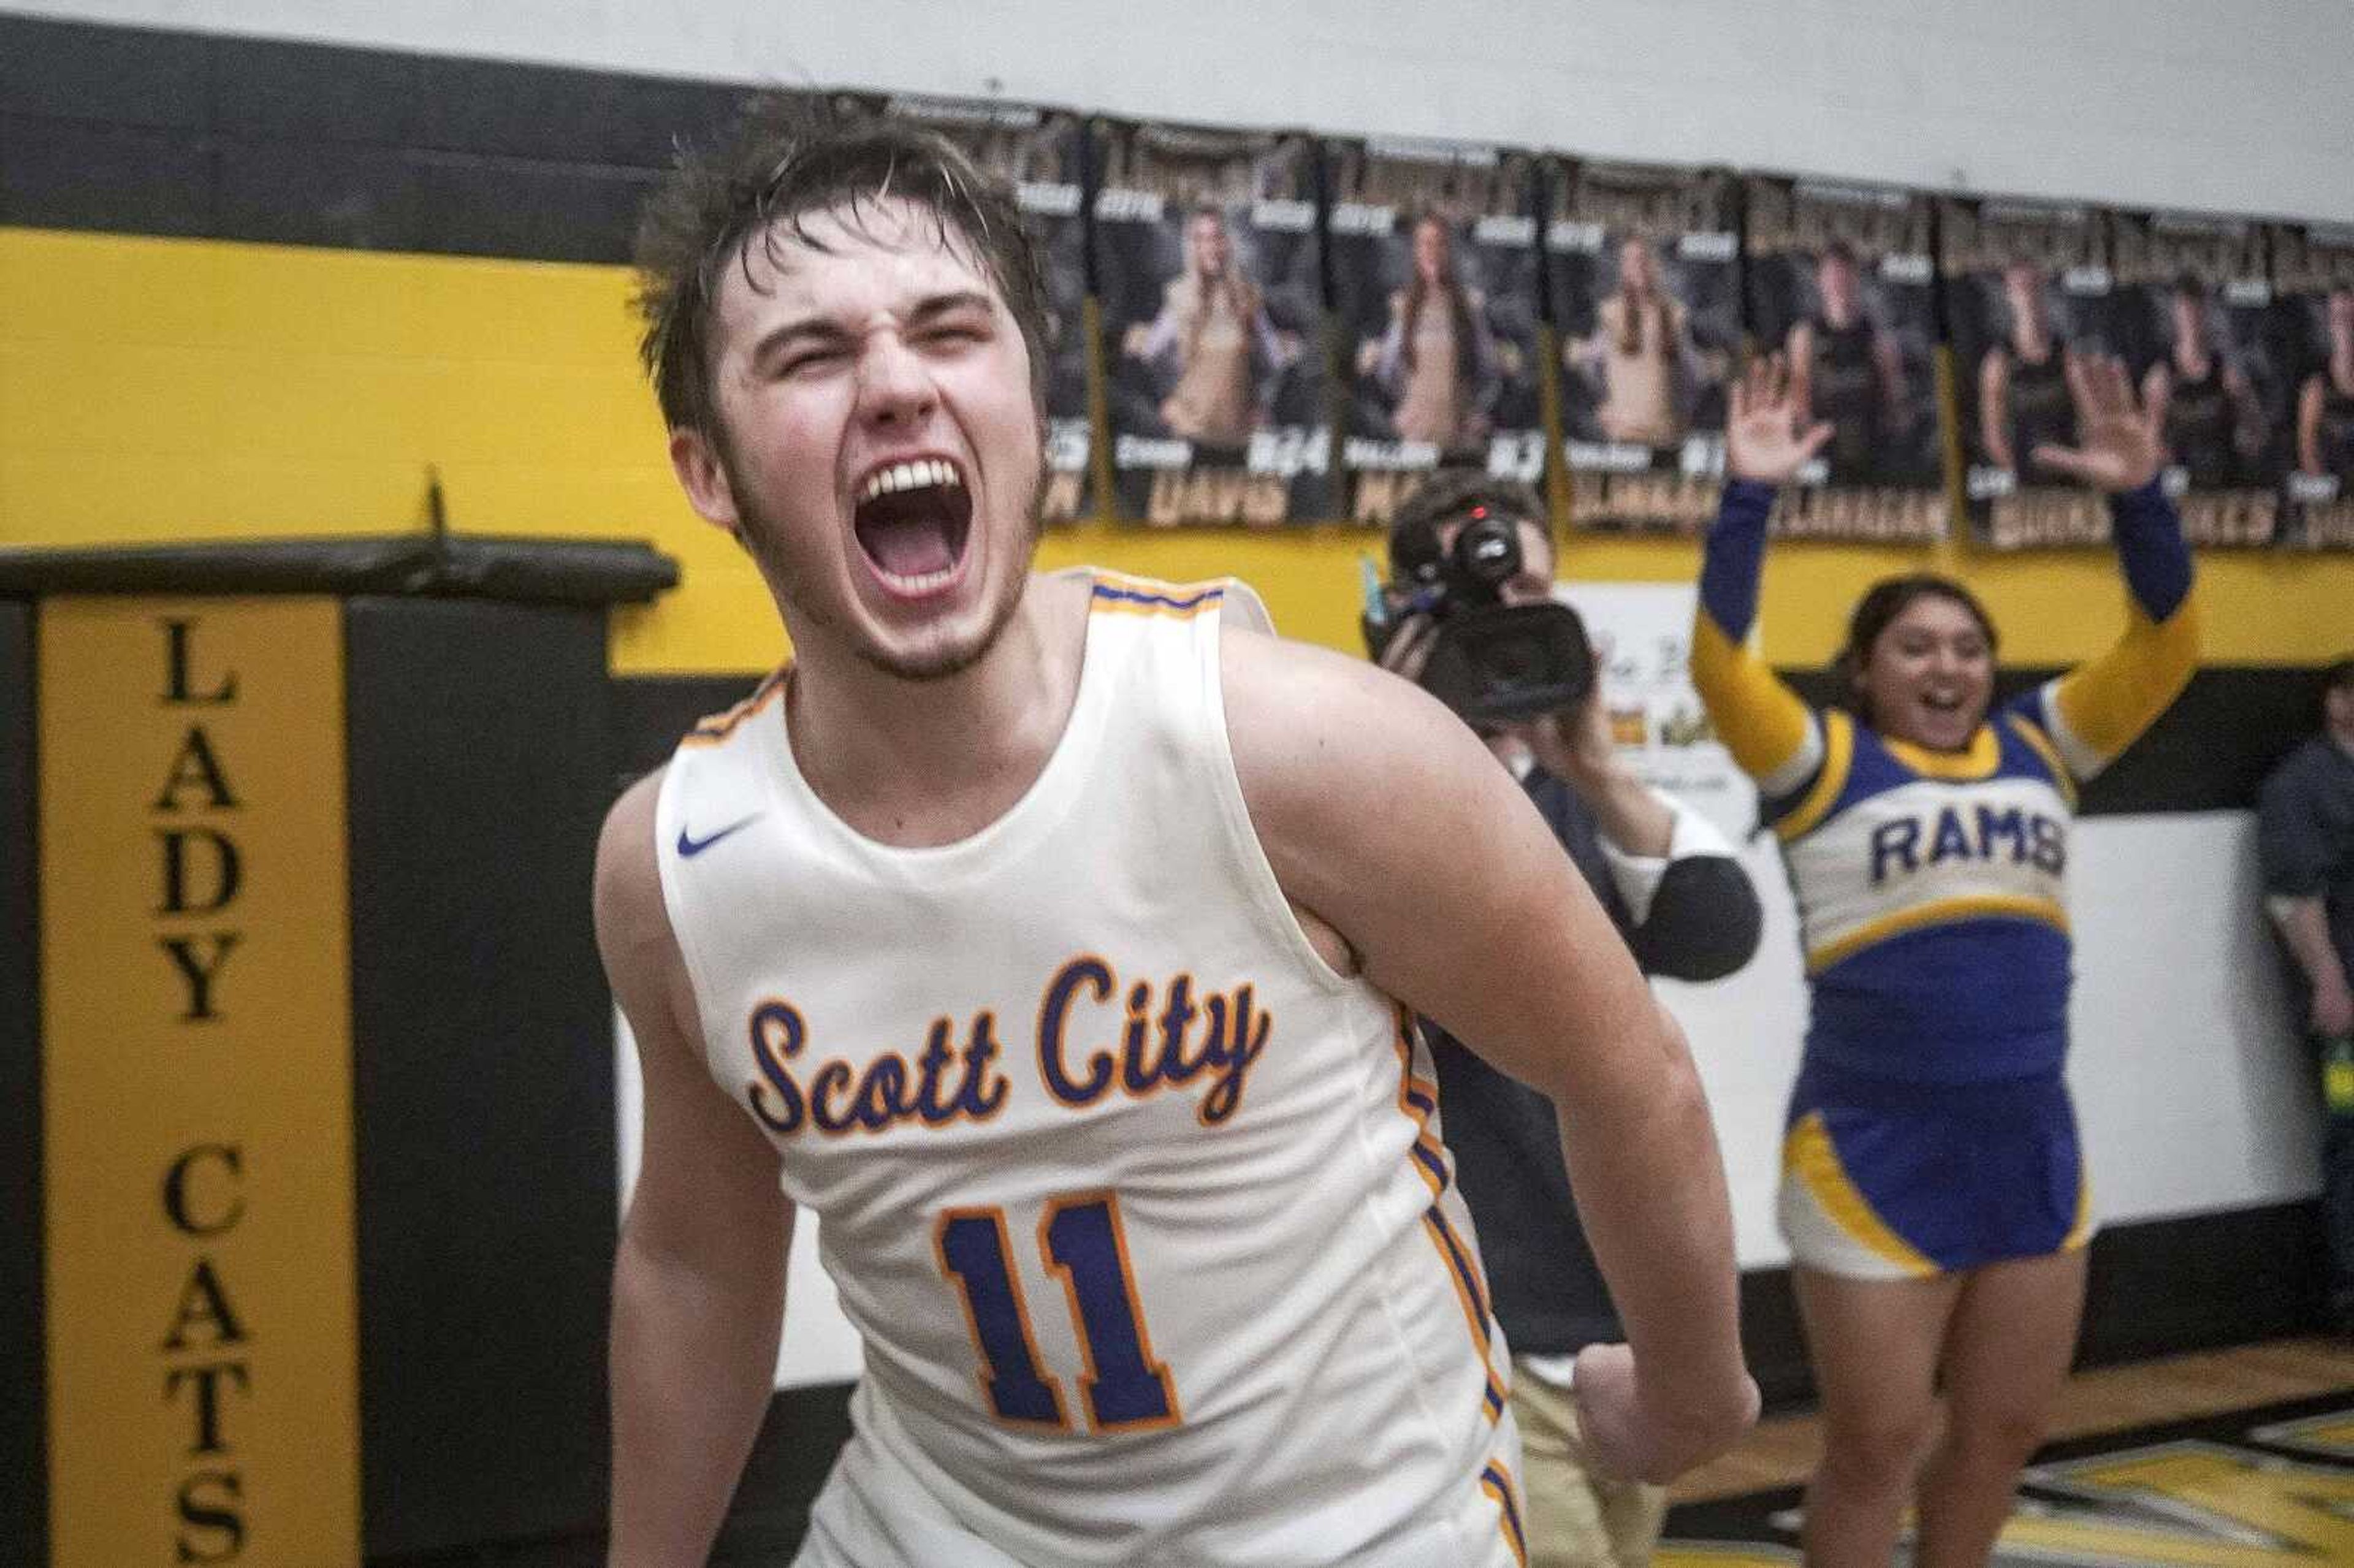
(1486, 556)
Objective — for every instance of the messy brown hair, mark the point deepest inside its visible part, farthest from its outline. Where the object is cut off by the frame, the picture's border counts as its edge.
(784, 160)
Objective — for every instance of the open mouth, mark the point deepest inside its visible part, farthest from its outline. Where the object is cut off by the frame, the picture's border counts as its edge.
(912, 519)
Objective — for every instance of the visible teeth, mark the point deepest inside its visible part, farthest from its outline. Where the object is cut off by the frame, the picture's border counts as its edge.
(911, 475)
(923, 582)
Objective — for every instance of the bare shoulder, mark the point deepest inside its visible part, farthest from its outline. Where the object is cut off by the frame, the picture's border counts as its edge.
(1332, 751)
(632, 923)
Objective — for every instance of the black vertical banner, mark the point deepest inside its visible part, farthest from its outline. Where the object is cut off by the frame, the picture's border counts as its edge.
(1434, 253)
(2312, 332)
(23, 1340)
(1841, 280)
(2024, 283)
(1208, 267)
(1644, 268)
(2190, 309)
(1042, 153)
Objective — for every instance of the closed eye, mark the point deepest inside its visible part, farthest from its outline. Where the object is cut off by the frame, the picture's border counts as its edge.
(804, 361)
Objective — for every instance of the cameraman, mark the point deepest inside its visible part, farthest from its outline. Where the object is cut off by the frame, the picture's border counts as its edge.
(1670, 883)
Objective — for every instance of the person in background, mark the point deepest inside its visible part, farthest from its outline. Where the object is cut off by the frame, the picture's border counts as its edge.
(2025, 403)
(2202, 400)
(1056, 939)
(2305, 840)
(2325, 403)
(1636, 356)
(1845, 370)
(1672, 886)
(1437, 360)
(1213, 339)
(1932, 1191)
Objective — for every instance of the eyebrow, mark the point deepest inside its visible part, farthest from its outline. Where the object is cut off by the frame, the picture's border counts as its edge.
(821, 329)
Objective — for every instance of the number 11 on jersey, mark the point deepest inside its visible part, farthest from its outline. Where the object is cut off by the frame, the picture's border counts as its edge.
(1082, 1242)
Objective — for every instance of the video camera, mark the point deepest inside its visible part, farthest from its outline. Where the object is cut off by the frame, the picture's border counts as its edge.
(1492, 663)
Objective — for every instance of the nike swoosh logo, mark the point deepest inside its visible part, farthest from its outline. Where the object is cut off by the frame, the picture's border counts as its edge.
(689, 846)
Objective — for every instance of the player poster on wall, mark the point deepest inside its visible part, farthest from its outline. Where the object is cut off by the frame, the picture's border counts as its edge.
(2190, 309)
(1644, 269)
(1043, 152)
(1841, 281)
(1212, 302)
(2024, 283)
(2313, 327)
(1434, 285)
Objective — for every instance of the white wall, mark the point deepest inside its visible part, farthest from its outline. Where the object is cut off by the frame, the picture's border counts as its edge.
(2228, 105)
(2192, 1092)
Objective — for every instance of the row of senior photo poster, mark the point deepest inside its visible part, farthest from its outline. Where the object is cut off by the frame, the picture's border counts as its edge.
(1264, 328)
(2238, 338)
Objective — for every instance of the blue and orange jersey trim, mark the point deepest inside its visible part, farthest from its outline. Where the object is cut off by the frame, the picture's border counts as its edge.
(716, 727)
(1117, 593)
(1497, 1482)
(1419, 1100)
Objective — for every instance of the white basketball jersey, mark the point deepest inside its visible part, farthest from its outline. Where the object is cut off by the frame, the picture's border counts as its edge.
(1139, 1207)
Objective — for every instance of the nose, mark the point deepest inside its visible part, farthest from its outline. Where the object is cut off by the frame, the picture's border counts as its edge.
(895, 386)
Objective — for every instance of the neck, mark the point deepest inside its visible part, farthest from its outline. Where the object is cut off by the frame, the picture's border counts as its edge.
(2343, 734)
(916, 763)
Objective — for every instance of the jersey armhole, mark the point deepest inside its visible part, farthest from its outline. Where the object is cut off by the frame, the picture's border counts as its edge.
(698, 989)
(1253, 870)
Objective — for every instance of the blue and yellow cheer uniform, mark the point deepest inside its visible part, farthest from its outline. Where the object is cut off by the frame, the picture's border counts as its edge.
(1930, 1129)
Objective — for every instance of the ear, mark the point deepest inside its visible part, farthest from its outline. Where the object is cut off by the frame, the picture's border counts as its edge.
(695, 460)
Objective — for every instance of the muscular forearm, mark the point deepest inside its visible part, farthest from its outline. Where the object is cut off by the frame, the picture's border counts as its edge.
(694, 1355)
(1643, 1160)
(2304, 926)
(1629, 812)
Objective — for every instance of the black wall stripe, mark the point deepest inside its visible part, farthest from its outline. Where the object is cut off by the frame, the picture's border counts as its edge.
(137, 131)
(650, 712)
(24, 1414)
(482, 1042)
(2209, 752)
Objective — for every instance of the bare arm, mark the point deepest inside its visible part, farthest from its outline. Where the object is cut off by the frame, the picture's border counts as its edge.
(1889, 359)
(1389, 357)
(2157, 392)
(2247, 411)
(1798, 351)
(1994, 409)
(2309, 426)
(1383, 816)
(1158, 342)
(2304, 926)
(699, 1281)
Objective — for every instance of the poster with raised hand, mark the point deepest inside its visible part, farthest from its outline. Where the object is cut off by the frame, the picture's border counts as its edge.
(2027, 287)
(2312, 333)
(1206, 251)
(2191, 304)
(1841, 282)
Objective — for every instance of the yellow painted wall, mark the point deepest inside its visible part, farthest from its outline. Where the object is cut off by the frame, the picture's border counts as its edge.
(155, 389)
